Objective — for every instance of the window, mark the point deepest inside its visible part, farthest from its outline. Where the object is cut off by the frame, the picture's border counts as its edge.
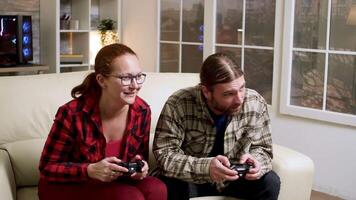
(245, 29)
(181, 35)
(190, 31)
(319, 69)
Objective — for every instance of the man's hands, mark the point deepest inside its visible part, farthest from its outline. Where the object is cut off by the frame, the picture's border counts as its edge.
(254, 172)
(220, 168)
(108, 169)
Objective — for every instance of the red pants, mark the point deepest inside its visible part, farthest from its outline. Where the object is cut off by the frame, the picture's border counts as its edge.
(149, 188)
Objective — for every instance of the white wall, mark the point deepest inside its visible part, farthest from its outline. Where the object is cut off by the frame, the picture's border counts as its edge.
(139, 30)
(331, 146)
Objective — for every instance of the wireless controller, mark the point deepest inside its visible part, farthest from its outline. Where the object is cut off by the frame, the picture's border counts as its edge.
(241, 169)
(132, 167)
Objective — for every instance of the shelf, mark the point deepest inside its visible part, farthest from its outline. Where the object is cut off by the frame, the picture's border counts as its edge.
(74, 31)
(59, 37)
(74, 65)
(25, 68)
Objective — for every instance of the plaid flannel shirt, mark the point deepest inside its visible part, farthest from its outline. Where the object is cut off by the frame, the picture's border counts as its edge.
(76, 139)
(185, 135)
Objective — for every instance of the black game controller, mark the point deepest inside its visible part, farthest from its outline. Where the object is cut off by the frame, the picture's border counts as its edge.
(132, 167)
(241, 169)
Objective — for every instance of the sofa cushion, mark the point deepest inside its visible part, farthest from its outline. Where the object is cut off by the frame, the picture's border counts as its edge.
(30, 103)
(27, 193)
(157, 88)
(7, 179)
(24, 157)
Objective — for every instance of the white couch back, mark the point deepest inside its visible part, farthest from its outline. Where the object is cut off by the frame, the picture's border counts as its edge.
(28, 105)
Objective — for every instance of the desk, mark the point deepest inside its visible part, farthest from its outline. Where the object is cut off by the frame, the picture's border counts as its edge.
(25, 68)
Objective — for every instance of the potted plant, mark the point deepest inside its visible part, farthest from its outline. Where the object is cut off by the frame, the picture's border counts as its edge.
(108, 35)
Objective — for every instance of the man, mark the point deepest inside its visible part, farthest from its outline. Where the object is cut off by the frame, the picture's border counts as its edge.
(203, 130)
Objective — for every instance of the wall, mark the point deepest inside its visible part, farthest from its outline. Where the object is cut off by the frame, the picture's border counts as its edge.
(331, 146)
(26, 7)
(139, 29)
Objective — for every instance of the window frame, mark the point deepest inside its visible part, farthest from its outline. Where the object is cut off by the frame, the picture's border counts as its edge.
(180, 43)
(286, 73)
(209, 42)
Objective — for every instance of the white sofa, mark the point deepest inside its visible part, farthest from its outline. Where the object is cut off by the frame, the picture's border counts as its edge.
(27, 108)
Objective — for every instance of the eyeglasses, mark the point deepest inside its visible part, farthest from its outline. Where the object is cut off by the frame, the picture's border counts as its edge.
(127, 80)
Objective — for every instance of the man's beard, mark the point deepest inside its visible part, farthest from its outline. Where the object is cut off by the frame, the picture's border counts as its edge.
(225, 109)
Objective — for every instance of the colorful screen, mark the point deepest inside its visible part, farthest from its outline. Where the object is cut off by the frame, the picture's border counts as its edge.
(8, 35)
(8, 41)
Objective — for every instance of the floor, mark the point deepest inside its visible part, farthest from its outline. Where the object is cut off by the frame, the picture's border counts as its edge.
(322, 196)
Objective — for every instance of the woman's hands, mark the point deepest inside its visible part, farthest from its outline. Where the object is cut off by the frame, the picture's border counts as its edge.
(106, 170)
(144, 171)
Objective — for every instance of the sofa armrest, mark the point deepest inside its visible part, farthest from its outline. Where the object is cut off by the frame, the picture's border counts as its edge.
(7, 180)
(296, 172)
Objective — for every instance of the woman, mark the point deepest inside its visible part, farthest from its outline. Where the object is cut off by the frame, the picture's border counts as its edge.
(105, 124)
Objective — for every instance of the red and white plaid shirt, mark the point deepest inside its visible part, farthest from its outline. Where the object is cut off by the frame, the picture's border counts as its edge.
(76, 139)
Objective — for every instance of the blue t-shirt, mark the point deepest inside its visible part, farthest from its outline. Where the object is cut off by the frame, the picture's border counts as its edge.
(220, 122)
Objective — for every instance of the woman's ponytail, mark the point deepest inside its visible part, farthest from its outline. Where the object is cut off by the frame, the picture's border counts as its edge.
(88, 86)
